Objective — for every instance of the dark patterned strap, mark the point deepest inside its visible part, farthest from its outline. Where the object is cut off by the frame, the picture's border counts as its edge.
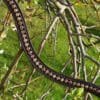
(35, 60)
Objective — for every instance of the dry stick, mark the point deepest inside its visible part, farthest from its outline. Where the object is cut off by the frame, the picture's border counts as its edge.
(48, 11)
(47, 34)
(71, 43)
(77, 27)
(93, 81)
(5, 22)
(13, 64)
(66, 63)
(96, 75)
(94, 43)
(7, 18)
(68, 29)
(62, 9)
(93, 60)
(77, 24)
(74, 55)
(55, 38)
(94, 4)
(67, 90)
